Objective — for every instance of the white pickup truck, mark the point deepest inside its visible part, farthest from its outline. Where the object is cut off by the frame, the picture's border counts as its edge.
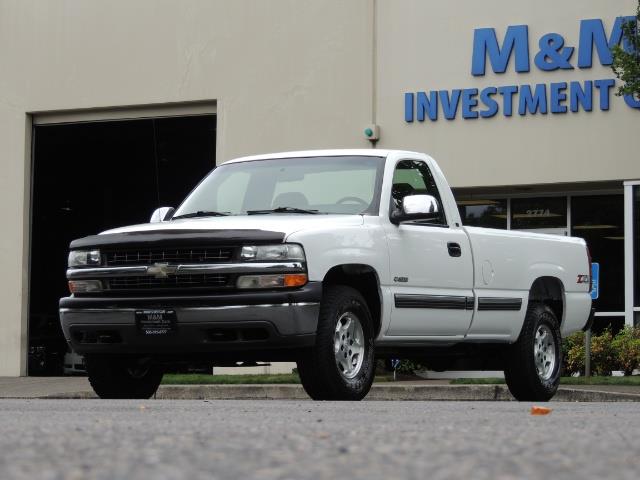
(331, 259)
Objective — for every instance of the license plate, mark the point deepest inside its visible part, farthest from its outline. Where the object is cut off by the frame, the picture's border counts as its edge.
(156, 322)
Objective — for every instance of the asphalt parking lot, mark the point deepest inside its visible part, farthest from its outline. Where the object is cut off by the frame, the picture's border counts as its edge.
(165, 439)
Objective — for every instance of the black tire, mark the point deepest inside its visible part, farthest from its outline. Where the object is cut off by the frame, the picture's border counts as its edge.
(123, 378)
(521, 373)
(320, 375)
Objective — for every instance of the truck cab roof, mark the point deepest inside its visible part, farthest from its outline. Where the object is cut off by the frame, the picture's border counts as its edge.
(369, 152)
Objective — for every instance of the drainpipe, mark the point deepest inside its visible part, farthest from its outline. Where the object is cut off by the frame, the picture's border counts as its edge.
(372, 131)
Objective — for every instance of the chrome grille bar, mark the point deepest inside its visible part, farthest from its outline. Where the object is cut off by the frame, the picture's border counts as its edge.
(229, 268)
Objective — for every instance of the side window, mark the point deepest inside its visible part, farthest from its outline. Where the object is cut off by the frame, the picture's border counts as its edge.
(413, 177)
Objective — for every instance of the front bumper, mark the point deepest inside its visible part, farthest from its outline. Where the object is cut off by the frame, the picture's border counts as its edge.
(239, 322)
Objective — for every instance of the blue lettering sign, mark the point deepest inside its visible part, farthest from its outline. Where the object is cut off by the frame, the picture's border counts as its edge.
(558, 97)
(592, 33)
(631, 101)
(449, 104)
(553, 54)
(507, 94)
(408, 107)
(486, 96)
(469, 102)
(485, 43)
(578, 95)
(533, 102)
(427, 104)
(605, 87)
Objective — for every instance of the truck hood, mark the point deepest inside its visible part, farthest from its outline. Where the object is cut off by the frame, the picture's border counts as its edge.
(286, 224)
(241, 228)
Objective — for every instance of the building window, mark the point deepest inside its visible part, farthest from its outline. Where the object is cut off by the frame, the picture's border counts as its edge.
(540, 212)
(600, 221)
(483, 213)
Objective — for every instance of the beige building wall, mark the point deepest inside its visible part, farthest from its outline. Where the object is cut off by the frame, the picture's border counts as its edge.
(425, 46)
(286, 75)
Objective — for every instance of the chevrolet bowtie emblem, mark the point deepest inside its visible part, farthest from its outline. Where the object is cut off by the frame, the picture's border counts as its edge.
(161, 270)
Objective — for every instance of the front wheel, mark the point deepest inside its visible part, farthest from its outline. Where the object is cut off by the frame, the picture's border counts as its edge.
(341, 365)
(533, 363)
(123, 378)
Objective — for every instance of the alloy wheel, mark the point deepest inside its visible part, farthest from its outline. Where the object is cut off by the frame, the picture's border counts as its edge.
(348, 345)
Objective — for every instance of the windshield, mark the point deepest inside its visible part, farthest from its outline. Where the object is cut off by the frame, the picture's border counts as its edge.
(344, 185)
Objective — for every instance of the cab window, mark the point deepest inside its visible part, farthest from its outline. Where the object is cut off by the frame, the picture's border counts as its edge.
(413, 177)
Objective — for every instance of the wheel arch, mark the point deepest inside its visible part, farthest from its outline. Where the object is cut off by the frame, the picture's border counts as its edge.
(549, 290)
(363, 278)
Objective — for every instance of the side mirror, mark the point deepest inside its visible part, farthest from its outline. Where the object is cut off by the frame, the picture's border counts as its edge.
(416, 207)
(162, 214)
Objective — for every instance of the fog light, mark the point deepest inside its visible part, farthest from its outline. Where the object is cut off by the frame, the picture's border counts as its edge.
(85, 286)
(260, 281)
(272, 281)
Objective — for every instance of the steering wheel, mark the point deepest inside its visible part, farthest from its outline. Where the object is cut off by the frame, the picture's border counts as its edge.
(353, 199)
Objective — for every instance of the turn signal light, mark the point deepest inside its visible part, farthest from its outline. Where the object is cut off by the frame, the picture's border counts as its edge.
(295, 279)
(85, 286)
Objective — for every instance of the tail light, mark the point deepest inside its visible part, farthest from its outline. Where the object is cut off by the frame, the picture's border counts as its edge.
(590, 267)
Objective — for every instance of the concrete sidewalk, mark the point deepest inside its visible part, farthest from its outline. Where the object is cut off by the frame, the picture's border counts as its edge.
(36, 387)
(413, 391)
(425, 390)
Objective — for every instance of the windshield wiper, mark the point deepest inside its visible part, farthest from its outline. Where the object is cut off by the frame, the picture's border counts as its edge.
(201, 213)
(282, 210)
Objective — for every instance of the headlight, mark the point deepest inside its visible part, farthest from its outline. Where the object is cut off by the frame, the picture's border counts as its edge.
(284, 251)
(84, 258)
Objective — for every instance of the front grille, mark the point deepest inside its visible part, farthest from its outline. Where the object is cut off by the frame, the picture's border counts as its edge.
(175, 282)
(168, 255)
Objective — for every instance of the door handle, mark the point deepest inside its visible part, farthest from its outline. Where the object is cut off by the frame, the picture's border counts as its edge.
(454, 249)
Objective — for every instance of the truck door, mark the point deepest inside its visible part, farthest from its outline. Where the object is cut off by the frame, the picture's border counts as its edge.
(431, 264)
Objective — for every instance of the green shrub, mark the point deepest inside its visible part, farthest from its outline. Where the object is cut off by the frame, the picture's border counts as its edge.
(407, 367)
(574, 340)
(573, 353)
(626, 347)
(603, 355)
(608, 352)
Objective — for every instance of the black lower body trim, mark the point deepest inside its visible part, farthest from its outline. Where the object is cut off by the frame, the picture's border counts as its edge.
(499, 303)
(208, 340)
(447, 302)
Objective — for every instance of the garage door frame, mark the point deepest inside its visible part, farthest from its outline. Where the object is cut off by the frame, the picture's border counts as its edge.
(68, 116)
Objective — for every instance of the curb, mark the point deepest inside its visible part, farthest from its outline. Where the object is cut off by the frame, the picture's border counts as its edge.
(379, 392)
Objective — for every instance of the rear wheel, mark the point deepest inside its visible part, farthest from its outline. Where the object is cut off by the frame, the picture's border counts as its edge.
(123, 378)
(341, 365)
(533, 363)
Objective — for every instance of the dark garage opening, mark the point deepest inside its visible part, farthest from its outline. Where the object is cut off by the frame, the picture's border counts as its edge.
(92, 176)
